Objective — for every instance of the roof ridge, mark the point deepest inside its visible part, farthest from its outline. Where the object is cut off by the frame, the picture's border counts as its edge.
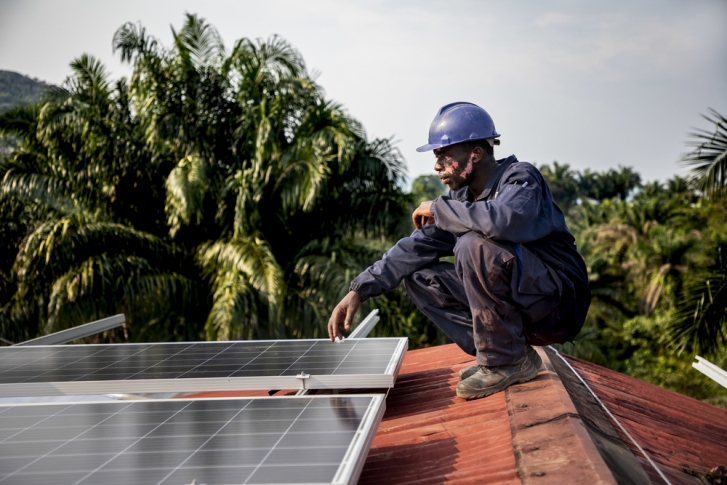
(549, 441)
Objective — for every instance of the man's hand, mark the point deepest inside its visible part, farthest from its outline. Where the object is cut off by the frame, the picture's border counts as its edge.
(423, 214)
(343, 315)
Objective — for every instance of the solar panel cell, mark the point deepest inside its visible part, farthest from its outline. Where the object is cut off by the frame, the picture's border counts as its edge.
(307, 439)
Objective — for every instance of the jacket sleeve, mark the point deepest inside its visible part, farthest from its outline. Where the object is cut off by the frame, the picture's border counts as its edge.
(410, 254)
(514, 214)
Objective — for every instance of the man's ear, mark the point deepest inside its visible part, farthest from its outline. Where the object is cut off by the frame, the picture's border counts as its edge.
(478, 153)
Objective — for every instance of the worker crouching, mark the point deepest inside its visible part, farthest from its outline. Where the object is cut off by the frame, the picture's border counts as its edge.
(517, 279)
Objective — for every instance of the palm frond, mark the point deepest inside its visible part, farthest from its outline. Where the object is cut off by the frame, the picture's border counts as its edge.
(186, 188)
(708, 159)
(46, 189)
(68, 241)
(90, 80)
(301, 181)
(132, 41)
(382, 151)
(250, 257)
(200, 42)
(326, 131)
(103, 285)
(234, 313)
(243, 272)
(274, 57)
(701, 324)
(19, 120)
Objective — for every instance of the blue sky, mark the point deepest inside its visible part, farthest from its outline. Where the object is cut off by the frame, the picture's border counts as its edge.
(590, 84)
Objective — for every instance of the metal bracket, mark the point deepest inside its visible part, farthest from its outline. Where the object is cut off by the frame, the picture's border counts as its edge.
(302, 376)
(366, 325)
(710, 370)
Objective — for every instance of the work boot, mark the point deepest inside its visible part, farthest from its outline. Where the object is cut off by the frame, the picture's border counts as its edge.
(534, 357)
(531, 352)
(491, 379)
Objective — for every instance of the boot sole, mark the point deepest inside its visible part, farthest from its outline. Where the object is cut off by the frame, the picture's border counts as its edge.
(528, 375)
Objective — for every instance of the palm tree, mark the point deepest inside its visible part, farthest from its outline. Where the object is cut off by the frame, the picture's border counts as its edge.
(563, 183)
(215, 193)
(283, 171)
(83, 256)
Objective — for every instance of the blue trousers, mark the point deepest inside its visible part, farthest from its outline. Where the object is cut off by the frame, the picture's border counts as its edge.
(492, 301)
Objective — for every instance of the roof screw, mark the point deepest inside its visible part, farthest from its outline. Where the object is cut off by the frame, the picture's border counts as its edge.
(523, 405)
(539, 474)
(533, 448)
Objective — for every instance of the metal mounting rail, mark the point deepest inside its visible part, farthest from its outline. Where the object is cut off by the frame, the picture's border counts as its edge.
(365, 327)
(710, 370)
(85, 330)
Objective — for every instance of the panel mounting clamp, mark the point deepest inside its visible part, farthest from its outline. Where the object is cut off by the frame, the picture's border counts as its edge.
(302, 376)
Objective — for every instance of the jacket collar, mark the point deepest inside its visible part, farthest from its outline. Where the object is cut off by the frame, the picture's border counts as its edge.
(465, 195)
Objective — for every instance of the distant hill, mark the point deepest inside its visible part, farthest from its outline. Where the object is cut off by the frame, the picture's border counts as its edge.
(18, 89)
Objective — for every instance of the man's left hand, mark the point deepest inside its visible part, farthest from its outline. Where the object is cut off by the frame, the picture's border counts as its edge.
(423, 214)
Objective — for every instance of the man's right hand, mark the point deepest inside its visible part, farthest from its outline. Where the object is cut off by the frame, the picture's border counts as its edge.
(343, 315)
(423, 214)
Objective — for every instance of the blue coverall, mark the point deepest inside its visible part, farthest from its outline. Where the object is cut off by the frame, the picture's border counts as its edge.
(517, 276)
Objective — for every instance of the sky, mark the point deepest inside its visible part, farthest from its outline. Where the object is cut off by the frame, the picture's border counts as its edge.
(591, 84)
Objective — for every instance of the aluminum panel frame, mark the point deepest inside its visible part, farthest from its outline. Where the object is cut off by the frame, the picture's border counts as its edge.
(75, 333)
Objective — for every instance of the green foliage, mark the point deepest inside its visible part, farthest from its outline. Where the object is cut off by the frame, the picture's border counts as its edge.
(427, 187)
(656, 271)
(198, 197)
(564, 184)
(570, 187)
(701, 323)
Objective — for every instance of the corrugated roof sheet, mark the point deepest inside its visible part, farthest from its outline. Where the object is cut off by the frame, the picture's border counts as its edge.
(677, 431)
(429, 436)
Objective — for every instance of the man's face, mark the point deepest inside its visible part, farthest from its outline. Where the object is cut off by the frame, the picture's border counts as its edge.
(455, 165)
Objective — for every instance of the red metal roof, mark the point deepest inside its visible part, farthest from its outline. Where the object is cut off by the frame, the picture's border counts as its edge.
(428, 435)
(675, 430)
(529, 434)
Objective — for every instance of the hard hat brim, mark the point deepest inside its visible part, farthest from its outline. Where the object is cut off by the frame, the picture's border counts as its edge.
(434, 146)
(426, 148)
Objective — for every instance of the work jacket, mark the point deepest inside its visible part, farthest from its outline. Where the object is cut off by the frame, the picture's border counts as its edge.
(515, 207)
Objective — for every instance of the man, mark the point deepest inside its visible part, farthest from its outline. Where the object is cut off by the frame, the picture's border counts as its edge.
(517, 279)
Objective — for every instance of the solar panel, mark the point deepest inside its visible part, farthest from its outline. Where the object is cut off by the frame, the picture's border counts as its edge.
(310, 439)
(200, 366)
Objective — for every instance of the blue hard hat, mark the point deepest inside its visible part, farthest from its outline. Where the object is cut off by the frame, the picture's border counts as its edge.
(458, 123)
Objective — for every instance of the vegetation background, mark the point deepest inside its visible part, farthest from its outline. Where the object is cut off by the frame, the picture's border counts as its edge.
(217, 194)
